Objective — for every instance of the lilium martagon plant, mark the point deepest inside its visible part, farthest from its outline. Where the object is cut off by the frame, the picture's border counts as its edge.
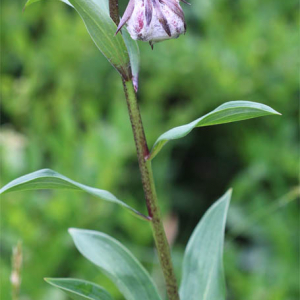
(202, 267)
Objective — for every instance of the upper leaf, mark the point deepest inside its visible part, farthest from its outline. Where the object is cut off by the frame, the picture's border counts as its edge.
(49, 179)
(203, 274)
(228, 112)
(134, 54)
(95, 15)
(80, 289)
(117, 262)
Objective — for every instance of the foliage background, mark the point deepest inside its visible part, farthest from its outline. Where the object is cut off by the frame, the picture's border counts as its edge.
(63, 108)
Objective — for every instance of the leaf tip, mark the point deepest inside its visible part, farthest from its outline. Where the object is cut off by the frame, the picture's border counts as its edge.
(273, 111)
(28, 2)
(72, 231)
(49, 280)
(228, 194)
(75, 232)
(52, 281)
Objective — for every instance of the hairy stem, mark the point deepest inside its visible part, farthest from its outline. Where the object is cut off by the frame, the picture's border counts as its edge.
(161, 242)
(114, 11)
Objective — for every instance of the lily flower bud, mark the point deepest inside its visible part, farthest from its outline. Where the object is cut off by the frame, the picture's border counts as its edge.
(153, 20)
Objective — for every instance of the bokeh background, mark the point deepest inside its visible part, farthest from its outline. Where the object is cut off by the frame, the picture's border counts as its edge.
(63, 108)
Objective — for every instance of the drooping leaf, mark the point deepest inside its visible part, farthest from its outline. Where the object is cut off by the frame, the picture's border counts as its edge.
(134, 54)
(49, 179)
(117, 263)
(80, 289)
(226, 113)
(95, 15)
(203, 274)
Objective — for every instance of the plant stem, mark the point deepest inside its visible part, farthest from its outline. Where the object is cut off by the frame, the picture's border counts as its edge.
(114, 11)
(161, 242)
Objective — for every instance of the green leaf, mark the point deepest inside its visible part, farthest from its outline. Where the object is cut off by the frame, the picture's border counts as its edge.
(203, 274)
(117, 263)
(95, 15)
(29, 2)
(134, 54)
(80, 289)
(226, 113)
(49, 179)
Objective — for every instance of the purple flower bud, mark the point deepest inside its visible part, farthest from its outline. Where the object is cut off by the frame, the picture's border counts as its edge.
(153, 20)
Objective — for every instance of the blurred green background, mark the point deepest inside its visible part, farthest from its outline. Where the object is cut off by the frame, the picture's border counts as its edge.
(63, 108)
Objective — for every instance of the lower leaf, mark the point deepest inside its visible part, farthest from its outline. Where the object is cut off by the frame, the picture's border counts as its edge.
(49, 179)
(80, 289)
(203, 274)
(117, 263)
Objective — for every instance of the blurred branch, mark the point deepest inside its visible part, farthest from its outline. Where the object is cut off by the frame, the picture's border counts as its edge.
(15, 277)
(236, 231)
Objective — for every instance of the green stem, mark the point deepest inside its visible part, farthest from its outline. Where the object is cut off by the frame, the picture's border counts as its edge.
(161, 242)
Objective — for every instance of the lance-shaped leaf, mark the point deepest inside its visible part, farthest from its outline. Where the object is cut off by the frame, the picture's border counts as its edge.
(29, 2)
(49, 179)
(134, 54)
(117, 263)
(95, 15)
(203, 274)
(226, 113)
(80, 289)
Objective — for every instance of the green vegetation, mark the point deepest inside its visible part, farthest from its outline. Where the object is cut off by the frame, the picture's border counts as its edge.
(64, 109)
